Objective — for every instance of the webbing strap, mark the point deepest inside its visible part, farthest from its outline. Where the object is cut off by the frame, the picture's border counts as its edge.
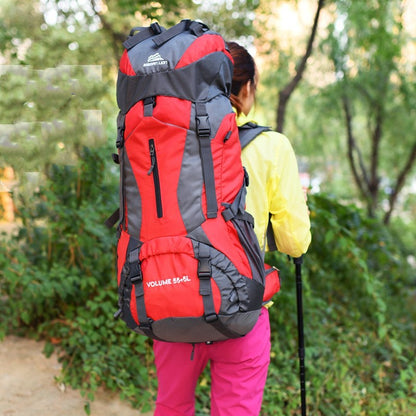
(237, 208)
(196, 28)
(205, 290)
(249, 131)
(182, 26)
(148, 105)
(111, 221)
(204, 134)
(136, 279)
(143, 34)
(271, 242)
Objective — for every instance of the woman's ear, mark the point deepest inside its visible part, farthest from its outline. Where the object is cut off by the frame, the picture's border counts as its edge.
(246, 90)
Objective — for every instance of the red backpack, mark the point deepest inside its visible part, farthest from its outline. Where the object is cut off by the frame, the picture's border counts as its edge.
(189, 267)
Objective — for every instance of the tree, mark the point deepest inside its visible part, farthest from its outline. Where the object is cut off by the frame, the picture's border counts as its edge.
(376, 86)
(286, 92)
(51, 86)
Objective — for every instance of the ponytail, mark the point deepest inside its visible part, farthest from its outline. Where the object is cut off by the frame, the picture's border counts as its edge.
(244, 71)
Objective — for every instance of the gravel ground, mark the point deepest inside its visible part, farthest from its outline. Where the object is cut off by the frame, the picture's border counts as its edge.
(28, 386)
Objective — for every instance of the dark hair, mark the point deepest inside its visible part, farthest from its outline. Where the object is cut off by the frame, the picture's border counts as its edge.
(244, 71)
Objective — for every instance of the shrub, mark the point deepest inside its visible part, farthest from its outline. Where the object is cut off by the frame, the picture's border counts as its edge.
(359, 332)
(57, 281)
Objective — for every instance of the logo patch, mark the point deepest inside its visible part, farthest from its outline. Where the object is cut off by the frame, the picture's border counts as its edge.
(155, 59)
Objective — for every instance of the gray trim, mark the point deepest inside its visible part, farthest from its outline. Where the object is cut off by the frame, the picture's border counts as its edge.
(147, 58)
(132, 198)
(251, 247)
(189, 190)
(218, 108)
(195, 330)
(198, 234)
(203, 128)
(235, 296)
(200, 81)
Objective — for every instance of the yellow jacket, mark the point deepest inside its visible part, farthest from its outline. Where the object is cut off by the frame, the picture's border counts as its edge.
(275, 188)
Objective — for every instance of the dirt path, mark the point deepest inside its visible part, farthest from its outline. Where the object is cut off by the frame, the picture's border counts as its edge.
(28, 387)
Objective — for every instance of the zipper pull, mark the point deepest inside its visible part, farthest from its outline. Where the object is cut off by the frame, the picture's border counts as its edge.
(193, 351)
(152, 157)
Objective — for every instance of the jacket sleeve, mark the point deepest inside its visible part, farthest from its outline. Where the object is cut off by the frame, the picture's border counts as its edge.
(287, 205)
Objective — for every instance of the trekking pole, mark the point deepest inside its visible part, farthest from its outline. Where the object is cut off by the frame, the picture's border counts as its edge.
(301, 340)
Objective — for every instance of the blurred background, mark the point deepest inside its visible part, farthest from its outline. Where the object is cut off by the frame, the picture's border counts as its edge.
(336, 76)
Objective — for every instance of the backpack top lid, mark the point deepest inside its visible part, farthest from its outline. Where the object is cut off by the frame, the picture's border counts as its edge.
(187, 61)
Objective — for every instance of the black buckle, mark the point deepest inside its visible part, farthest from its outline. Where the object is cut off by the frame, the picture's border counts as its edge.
(120, 139)
(146, 326)
(136, 279)
(116, 158)
(135, 272)
(211, 318)
(204, 268)
(246, 177)
(156, 28)
(203, 127)
(149, 100)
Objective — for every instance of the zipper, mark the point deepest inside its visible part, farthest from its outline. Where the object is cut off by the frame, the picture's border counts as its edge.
(156, 180)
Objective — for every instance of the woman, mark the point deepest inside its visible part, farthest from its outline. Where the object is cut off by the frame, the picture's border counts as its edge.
(239, 366)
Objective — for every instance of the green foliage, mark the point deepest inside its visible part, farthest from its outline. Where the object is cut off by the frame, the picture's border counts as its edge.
(48, 115)
(58, 282)
(375, 77)
(359, 330)
(57, 274)
(56, 262)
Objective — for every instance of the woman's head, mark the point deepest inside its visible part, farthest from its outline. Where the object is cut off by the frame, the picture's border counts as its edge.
(245, 76)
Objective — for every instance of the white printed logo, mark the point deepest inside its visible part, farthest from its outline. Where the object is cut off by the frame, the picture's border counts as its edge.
(169, 281)
(155, 59)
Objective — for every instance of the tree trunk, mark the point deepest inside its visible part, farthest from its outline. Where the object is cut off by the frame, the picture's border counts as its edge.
(117, 38)
(359, 172)
(287, 91)
(401, 179)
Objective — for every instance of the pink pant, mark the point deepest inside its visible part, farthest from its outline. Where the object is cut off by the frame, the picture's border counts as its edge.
(238, 373)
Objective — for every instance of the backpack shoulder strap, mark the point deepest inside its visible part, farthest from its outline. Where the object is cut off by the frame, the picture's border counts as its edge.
(249, 131)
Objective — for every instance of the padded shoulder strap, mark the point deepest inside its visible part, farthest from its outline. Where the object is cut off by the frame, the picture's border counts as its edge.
(249, 132)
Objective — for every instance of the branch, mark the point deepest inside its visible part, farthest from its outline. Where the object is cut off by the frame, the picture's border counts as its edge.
(375, 147)
(287, 91)
(401, 179)
(117, 37)
(362, 181)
